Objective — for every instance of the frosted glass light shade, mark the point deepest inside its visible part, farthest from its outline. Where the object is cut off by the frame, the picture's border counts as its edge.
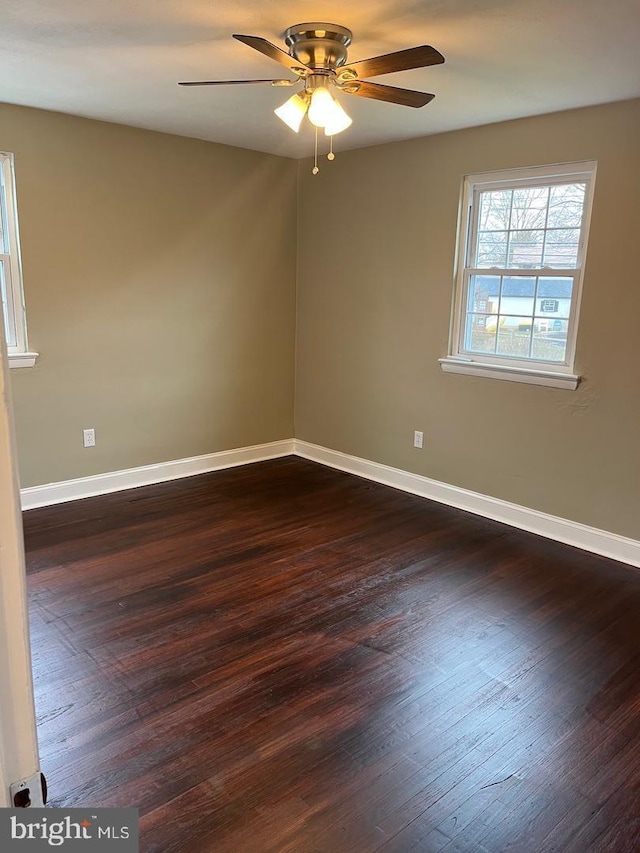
(338, 122)
(293, 111)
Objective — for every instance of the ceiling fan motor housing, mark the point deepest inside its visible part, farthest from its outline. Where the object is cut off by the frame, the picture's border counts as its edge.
(318, 45)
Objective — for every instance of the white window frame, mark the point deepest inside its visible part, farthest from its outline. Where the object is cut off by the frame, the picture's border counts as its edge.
(529, 370)
(17, 348)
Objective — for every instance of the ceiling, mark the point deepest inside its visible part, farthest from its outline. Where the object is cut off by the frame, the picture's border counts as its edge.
(120, 60)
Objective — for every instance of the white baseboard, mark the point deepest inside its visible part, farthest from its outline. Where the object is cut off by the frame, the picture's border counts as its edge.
(552, 527)
(130, 478)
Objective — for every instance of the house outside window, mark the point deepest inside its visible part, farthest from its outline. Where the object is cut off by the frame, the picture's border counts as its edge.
(11, 292)
(523, 240)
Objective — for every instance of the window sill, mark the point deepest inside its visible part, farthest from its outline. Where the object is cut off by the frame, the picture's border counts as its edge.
(529, 375)
(22, 359)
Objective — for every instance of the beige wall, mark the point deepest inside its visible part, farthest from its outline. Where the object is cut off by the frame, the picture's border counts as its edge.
(159, 276)
(377, 231)
(160, 286)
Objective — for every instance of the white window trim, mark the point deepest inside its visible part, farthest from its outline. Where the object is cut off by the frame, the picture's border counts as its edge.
(531, 371)
(19, 355)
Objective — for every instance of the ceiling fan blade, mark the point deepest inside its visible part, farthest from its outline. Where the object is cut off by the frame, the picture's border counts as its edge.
(237, 82)
(401, 60)
(273, 52)
(405, 97)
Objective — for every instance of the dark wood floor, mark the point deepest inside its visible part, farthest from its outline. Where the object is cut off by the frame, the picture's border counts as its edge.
(282, 658)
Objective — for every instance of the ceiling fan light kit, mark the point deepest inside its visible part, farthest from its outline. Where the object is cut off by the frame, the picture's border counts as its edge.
(317, 56)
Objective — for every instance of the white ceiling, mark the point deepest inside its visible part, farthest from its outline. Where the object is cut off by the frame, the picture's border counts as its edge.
(120, 60)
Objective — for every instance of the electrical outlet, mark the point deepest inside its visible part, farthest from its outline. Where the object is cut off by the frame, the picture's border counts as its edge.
(89, 437)
(417, 439)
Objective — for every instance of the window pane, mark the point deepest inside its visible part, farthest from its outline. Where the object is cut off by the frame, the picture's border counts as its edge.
(492, 249)
(514, 336)
(484, 294)
(557, 289)
(550, 339)
(9, 329)
(529, 208)
(561, 247)
(525, 249)
(495, 209)
(4, 247)
(480, 333)
(566, 204)
(518, 294)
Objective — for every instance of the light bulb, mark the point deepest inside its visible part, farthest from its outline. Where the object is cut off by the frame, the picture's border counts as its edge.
(321, 109)
(293, 111)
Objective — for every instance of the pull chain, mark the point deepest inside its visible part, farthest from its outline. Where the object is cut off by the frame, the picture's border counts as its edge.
(315, 169)
(331, 155)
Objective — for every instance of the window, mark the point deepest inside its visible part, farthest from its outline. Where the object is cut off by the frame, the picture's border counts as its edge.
(10, 271)
(522, 249)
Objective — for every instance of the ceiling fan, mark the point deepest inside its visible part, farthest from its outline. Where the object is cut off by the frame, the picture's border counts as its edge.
(317, 57)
